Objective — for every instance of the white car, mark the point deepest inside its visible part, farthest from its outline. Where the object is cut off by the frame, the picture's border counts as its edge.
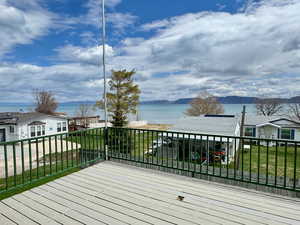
(155, 145)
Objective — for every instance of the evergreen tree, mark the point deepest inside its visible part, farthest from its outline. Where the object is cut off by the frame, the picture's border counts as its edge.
(123, 97)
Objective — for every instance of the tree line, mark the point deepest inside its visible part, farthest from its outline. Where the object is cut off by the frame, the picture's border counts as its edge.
(206, 103)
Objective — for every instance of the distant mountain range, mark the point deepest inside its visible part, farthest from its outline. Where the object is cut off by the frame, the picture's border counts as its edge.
(225, 100)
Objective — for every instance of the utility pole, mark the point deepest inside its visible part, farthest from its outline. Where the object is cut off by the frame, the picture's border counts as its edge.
(104, 77)
(241, 135)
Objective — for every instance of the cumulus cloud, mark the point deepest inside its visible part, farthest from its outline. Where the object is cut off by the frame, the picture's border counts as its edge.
(21, 23)
(84, 55)
(255, 51)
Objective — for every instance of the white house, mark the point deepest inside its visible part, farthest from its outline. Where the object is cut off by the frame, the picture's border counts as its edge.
(212, 127)
(218, 132)
(272, 127)
(18, 126)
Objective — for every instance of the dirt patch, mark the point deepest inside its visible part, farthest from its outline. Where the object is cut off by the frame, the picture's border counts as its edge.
(153, 126)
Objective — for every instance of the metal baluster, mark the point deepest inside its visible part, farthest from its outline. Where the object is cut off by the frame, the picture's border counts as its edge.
(56, 157)
(153, 152)
(50, 154)
(214, 154)
(72, 150)
(285, 163)
(227, 158)
(44, 156)
(37, 157)
(276, 162)
(61, 152)
(6, 167)
(235, 159)
(258, 162)
(220, 153)
(172, 146)
(201, 153)
(295, 166)
(23, 162)
(250, 166)
(267, 166)
(242, 158)
(30, 161)
(195, 150)
(189, 151)
(207, 153)
(15, 164)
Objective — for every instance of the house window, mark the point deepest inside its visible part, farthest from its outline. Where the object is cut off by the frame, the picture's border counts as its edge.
(64, 126)
(250, 132)
(11, 129)
(43, 129)
(39, 131)
(58, 127)
(288, 134)
(32, 131)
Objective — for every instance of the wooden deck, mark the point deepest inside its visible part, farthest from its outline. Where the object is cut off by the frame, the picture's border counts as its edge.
(112, 193)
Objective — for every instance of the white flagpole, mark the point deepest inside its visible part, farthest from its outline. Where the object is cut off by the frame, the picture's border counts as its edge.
(104, 76)
(103, 60)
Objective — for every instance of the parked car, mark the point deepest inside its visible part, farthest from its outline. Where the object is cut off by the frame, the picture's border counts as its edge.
(156, 144)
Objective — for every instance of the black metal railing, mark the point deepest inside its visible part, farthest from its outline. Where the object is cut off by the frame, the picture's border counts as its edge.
(25, 161)
(268, 162)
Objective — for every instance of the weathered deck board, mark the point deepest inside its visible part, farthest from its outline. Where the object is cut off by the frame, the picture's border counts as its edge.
(153, 191)
(259, 204)
(112, 193)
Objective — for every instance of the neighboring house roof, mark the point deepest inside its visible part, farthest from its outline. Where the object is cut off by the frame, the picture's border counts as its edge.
(207, 125)
(256, 120)
(16, 117)
(36, 123)
(268, 124)
(279, 121)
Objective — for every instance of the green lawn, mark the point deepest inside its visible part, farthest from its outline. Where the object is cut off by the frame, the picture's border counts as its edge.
(35, 177)
(264, 159)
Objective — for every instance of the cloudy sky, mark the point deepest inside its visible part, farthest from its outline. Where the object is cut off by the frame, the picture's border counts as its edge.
(178, 48)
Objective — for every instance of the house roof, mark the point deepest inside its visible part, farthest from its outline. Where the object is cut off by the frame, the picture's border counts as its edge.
(254, 120)
(16, 117)
(268, 124)
(207, 125)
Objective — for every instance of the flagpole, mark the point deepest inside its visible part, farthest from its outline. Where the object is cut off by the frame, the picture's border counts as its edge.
(104, 78)
(103, 61)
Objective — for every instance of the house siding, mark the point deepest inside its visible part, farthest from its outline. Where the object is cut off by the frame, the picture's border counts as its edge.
(297, 134)
(50, 126)
(10, 136)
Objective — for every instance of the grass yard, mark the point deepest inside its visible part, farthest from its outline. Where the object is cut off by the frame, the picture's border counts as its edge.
(264, 160)
(36, 177)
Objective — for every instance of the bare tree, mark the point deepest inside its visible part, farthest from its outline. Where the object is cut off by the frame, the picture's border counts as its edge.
(294, 111)
(205, 103)
(85, 110)
(45, 102)
(268, 106)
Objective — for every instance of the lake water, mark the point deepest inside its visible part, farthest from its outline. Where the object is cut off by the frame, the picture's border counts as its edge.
(153, 113)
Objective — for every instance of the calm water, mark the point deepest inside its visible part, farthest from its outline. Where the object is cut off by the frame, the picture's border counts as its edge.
(156, 113)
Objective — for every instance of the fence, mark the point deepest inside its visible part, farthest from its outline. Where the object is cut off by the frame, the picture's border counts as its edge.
(26, 161)
(268, 162)
(271, 163)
